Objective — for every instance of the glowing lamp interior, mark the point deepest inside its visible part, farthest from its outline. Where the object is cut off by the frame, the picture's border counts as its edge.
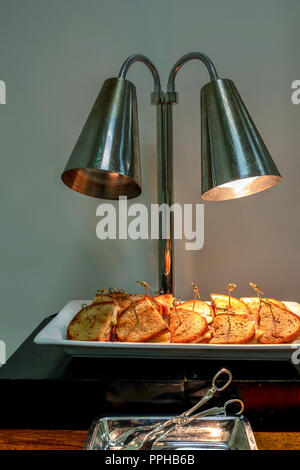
(241, 187)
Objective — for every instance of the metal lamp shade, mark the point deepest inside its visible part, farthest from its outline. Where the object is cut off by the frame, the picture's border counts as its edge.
(105, 162)
(235, 161)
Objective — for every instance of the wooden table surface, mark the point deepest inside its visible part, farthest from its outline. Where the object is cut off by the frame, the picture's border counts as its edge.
(35, 439)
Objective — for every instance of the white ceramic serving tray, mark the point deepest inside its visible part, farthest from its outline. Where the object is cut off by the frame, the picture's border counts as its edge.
(55, 332)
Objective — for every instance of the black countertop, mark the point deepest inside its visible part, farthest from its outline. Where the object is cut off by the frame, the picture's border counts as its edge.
(41, 386)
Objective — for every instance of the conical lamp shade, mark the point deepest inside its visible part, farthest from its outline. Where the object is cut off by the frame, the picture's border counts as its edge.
(105, 162)
(235, 161)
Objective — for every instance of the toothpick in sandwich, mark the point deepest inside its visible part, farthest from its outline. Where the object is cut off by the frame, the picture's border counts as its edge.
(230, 287)
(145, 285)
(196, 294)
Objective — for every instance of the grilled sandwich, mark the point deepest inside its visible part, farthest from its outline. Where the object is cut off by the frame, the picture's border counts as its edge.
(220, 305)
(118, 316)
(140, 322)
(276, 324)
(232, 329)
(166, 302)
(186, 326)
(201, 307)
(93, 323)
(253, 305)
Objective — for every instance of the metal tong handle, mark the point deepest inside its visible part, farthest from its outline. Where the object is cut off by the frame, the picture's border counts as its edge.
(208, 395)
(161, 426)
(217, 410)
(211, 392)
(183, 421)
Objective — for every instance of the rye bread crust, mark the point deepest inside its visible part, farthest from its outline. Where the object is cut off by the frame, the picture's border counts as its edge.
(186, 326)
(232, 329)
(277, 325)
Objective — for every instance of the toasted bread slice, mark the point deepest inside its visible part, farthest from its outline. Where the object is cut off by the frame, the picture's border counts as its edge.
(140, 322)
(221, 302)
(277, 324)
(92, 323)
(166, 302)
(253, 305)
(200, 307)
(232, 329)
(186, 326)
(157, 305)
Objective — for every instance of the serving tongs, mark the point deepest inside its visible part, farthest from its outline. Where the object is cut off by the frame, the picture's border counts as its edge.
(142, 436)
(216, 411)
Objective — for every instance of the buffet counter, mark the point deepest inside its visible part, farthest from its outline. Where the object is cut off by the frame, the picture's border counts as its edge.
(37, 439)
(51, 398)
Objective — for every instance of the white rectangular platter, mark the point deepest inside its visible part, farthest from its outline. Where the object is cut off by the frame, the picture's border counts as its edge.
(54, 334)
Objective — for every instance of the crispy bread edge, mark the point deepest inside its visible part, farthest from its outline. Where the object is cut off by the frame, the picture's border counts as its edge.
(287, 338)
(196, 336)
(87, 307)
(246, 339)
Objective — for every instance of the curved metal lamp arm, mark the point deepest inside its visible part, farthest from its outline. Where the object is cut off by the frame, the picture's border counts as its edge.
(141, 58)
(187, 57)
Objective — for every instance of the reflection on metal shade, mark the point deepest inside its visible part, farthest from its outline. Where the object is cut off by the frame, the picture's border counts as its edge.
(105, 162)
(235, 160)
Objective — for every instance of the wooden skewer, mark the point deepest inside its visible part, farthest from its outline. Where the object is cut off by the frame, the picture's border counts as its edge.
(264, 301)
(230, 288)
(132, 304)
(145, 285)
(196, 294)
(178, 316)
(102, 291)
(259, 293)
(257, 290)
(269, 304)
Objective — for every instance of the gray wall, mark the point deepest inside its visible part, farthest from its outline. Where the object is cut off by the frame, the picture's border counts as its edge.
(54, 56)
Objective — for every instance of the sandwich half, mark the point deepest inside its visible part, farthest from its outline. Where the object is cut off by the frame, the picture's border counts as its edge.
(200, 307)
(276, 324)
(140, 322)
(253, 305)
(232, 329)
(186, 326)
(166, 302)
(220, 305)
(93, 323)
